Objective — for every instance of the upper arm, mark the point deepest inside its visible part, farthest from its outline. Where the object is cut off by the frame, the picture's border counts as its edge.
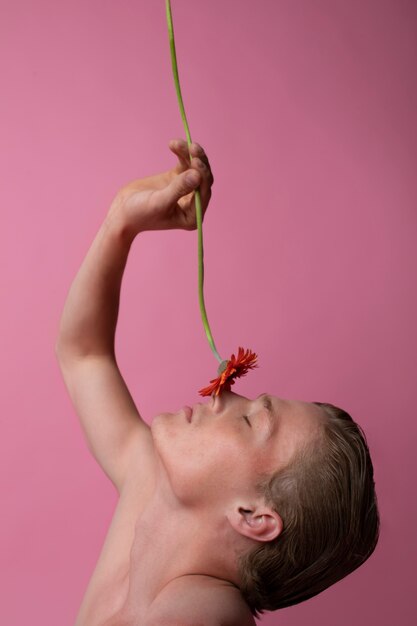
(185, 604)
(110, 420)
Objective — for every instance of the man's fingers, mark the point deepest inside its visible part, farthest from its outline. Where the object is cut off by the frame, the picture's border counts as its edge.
(180, 148)
(197, 151)
(180, 186)
(199, 164)
(206, 181)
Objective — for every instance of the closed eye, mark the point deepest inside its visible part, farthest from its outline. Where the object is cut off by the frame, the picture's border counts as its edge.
(245, 417)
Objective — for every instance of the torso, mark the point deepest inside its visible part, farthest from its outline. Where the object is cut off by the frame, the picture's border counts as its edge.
(105, 600)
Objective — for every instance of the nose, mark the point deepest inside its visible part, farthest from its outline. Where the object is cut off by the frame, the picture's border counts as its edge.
(220, 402)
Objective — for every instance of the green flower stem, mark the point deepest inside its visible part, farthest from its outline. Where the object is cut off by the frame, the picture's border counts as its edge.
(197, 191)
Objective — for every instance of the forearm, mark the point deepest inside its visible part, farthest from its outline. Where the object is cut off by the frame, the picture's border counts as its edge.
(161, 202)
(89, 318)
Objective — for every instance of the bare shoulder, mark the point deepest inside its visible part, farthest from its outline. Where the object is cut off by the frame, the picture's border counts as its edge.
(200, 601)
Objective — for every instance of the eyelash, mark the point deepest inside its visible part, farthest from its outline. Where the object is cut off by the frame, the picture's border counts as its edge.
(245, 417)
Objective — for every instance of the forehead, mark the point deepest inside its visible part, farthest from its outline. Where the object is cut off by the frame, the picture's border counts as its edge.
(296, 423)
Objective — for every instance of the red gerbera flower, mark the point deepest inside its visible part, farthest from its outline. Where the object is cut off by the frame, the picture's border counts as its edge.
(229, 370)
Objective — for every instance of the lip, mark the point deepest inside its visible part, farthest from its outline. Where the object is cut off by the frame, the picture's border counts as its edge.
(188, 413)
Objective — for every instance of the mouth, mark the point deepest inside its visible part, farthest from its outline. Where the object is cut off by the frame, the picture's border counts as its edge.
(188, 411)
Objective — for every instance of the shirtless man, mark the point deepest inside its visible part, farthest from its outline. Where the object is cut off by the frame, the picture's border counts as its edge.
(188, 497)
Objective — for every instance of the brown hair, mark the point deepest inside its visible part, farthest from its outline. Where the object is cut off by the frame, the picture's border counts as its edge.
(327, 501)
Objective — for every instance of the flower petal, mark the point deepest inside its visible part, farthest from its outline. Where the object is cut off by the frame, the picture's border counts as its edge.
(236, 368)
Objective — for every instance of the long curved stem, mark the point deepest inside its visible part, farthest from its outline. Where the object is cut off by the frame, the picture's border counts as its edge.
(197, 192)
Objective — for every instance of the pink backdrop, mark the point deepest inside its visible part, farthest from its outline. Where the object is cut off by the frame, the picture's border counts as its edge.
(307, 111)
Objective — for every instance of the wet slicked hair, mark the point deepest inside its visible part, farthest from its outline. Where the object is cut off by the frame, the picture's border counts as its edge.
(327, 501)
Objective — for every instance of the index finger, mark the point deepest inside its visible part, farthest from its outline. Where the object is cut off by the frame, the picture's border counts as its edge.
(180, 148)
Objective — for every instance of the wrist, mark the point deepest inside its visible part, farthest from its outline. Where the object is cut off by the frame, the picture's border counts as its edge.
(117, 221)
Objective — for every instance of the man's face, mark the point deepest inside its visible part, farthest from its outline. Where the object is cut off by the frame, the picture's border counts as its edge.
(229, 441)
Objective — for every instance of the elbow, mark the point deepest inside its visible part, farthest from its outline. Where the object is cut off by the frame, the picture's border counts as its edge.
(61, 355)
(63, 352)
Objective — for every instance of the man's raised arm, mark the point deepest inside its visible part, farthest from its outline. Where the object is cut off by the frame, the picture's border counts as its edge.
(85, 344)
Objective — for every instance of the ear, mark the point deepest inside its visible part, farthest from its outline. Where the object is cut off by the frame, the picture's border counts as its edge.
(260, 523)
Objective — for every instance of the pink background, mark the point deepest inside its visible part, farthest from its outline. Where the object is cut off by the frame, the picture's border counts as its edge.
(307, 111)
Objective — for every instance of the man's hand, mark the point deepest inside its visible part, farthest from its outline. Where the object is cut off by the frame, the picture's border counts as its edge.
(166, 201)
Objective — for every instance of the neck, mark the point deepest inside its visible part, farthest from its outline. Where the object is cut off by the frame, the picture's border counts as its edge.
(172, 542)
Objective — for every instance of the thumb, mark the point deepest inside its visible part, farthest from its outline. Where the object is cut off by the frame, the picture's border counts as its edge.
(180, 186)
